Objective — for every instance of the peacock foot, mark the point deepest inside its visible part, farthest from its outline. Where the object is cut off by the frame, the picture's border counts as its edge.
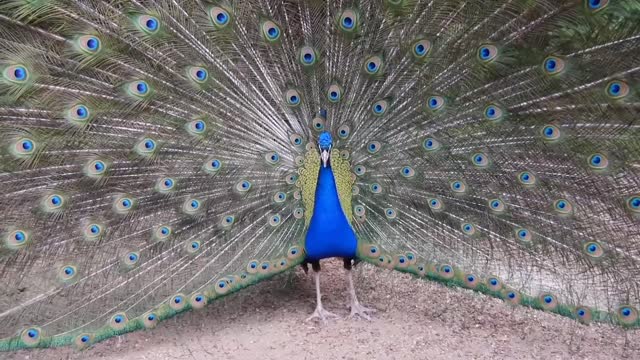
(321, 314)
(358, 310)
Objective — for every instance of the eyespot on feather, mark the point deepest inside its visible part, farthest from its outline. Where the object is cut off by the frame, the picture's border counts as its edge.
(55, 202)
(220, 17)
(446, 271)
(511, 296)
(138, 89)
(435, 204)
(563, 207)
(192, 246)
(318, 124)
(431, 144)
(496, 206)
(198, 74)
(487, 53)
(118, 321)
(192, 206)
(583, 314)
(93, 231)
(275, 220)
(494, 283)
(420, 49)
(480, 160)
(595, 6)
(458, 186)
(627, 314)
(307, 56)
(593, 249)
(17, 239)
(177, 302)
(390, 213)
(148, 24)
(243, 186)
(435, 103)
(471, 281)
(123, 204)
(292, 98)
(374, 147)
(89, 44)
(150, 320)
(17, 74)
(493, 112)
(553, 65)
(334, 93)
(373, 65)
(162, 233)
(548, 301)
(146, 147)
(198, 301)
(212, 165)
(165, 185)
(130, 260)
(31, 336)
(272, 158)
(468, 228)
(270, 31)
(527, 178)
(83, 341)
(379, 107)
(23, 147)
(348, 21)
(67, 273)
(617, 89)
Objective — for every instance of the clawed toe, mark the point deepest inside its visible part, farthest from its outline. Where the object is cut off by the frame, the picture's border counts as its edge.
(321, 314)
(361, 311)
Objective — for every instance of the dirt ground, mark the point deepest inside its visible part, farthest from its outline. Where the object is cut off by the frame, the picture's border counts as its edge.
(415, 320)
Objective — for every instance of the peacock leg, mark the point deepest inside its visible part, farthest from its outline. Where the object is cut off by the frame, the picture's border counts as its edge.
(356, 307)
(320, 312)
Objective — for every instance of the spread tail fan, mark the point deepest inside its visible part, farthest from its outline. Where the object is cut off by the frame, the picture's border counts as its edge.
(157, 155)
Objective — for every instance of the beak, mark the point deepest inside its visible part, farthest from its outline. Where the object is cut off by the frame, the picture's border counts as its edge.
(325, 157)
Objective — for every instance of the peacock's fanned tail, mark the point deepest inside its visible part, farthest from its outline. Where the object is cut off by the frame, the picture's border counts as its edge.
(150, 152)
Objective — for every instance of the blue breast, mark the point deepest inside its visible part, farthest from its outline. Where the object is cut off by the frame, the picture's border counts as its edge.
(329, 234)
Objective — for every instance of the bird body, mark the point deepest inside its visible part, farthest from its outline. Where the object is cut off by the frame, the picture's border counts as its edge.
(330, 233)
(158, 155)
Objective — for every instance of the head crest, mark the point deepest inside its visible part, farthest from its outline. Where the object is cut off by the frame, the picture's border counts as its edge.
(325, 141)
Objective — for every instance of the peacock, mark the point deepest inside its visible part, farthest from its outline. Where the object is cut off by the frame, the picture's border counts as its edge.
(159, 155)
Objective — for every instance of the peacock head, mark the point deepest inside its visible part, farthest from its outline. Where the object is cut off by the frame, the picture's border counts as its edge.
(325, 142)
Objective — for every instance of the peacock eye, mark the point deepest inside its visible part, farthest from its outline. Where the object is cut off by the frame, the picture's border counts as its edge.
(307, 56)
(480, 160)
(553, 65)
(334, 93)
(89, 44)
(348, 21)
(617, 89)
(270, 31)
(292, 97)
(435, 103)
(148, 24)
(493, 112)
(219, 17)
(596, 5)
(373, 65)
(421, 49)
(379, 107)
(17, 74)
(431, 144)
(487, 53)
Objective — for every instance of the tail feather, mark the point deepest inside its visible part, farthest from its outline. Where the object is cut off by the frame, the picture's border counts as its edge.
(151, 152)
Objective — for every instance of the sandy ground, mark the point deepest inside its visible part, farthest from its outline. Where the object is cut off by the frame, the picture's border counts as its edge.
(415, 320)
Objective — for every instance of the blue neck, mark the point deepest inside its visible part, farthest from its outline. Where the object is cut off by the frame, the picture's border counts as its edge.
(329, 234)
